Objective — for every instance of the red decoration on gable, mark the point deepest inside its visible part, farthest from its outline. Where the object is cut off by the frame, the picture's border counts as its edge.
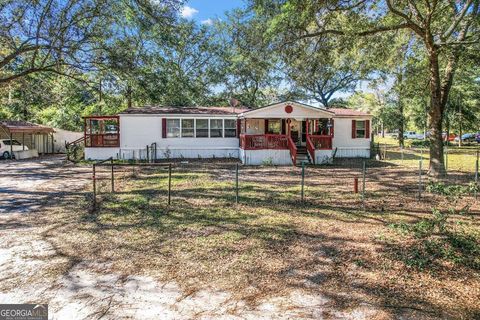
(288, 109)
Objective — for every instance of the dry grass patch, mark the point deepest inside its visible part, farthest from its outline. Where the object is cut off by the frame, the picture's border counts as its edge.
(271, 243)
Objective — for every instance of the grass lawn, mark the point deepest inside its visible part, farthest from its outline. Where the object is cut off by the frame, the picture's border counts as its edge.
(396, 254)
(456, 158)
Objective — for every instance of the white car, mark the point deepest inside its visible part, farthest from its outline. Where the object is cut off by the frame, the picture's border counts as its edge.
(5, 147)
(412, 135)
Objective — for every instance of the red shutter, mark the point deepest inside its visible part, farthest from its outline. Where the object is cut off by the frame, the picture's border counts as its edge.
(239, 127)
(354, 129)
(332, 129)
(164, 128)
(266, 126)
(367, 129)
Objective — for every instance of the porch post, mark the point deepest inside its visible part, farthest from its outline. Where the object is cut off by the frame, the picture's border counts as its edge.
(11, 146)
(306, 128)
(245, 126)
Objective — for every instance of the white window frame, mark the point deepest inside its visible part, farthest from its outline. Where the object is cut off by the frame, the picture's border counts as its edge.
(234, 127)
(208, 127)
(181, 127)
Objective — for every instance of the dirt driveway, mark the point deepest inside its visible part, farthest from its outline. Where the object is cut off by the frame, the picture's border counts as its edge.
(33, 269)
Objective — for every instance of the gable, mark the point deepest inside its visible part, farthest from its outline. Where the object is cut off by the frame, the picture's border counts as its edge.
(280, 110)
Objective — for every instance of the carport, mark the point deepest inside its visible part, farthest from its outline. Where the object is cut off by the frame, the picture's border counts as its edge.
(35, 136)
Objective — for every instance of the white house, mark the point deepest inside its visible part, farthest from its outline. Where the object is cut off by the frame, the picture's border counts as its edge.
(283, 133)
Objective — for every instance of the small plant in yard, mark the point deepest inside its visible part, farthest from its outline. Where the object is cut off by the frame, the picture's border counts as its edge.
(434, 242)
(267, 162)
(452, 190)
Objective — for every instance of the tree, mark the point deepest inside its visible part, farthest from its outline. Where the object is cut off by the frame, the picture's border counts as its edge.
(249, 61)
(446, 29)
(47, 35)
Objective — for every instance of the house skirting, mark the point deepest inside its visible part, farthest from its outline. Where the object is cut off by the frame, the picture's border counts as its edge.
(162, 153)
(345, 152)
(268, 156)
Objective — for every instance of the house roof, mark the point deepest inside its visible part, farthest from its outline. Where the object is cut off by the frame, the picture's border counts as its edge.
(348, 112)
(184, 110)
(24, 126)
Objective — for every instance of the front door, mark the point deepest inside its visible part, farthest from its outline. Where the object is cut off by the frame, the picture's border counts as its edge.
(297, 132)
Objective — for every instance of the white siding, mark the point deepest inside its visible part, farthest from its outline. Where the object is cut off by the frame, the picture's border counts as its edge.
(138, 131)
(258, 157)
(101, 153)
(347, 147)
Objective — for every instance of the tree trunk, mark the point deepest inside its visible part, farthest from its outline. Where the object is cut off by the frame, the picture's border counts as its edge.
(129, 96)
(401, 124)
(435, 118)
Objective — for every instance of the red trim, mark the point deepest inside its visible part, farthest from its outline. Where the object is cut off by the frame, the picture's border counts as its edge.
(311, 149)
(263, 141)
(102, 139)
(164, 128)
(321, 142)
(354, 129)
(367, 129)
(288, 109)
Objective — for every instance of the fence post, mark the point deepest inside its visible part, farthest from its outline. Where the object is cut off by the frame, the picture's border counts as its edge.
(476, 176)
(419, 179)
(113, 183)
(169, 181)
(303, 179)
(94, 188)
(148, 155)
(236, 183)
(446, 158)
(363, 184)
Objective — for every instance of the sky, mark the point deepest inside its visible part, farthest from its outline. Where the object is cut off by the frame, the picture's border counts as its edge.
(205, 11)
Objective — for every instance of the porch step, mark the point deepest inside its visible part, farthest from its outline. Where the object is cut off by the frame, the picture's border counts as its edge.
(302, 158)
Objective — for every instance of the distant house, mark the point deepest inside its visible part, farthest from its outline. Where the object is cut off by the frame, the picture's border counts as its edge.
(283, 133)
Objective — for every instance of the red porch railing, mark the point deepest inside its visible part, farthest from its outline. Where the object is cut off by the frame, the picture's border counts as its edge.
(102, 140)
(311, 149)
(321, 142)
(293, 150)
(263, 141)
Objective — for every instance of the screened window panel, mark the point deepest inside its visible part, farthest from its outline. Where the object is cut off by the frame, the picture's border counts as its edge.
(216, 128)
(187, 128)
(230, 128)
(173, 128)
(274, 126)
(202, 128)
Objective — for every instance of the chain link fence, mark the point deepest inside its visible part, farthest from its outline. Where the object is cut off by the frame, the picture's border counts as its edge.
(395, 179)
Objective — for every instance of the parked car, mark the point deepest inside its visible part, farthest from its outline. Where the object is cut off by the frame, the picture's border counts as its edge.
(5, 147)
(451, 136)
(412, 135)
(477, 137)
(467, 137)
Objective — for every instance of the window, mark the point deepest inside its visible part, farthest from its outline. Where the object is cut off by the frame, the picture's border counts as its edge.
(216, 128)
(14, 142)
(202, 128)
(360, 129)
(274, 126)
(173, 128)
(187, 128)
(230, 128)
